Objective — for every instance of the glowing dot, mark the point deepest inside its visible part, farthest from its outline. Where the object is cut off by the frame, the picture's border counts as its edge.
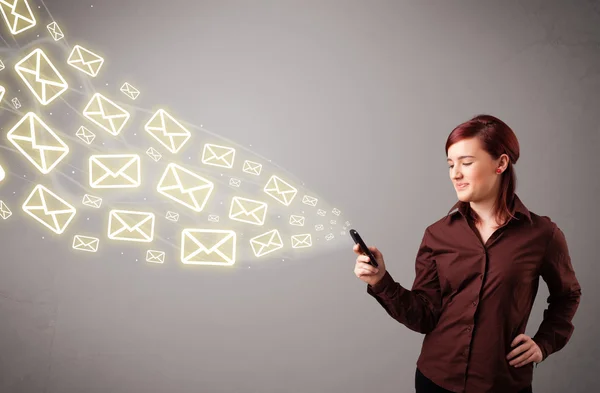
(81, 87)
(107, 84)
(92, 6)
(42, 237)
(24, 175)
(136, 259)
(134, 134)
(278, 216)
(88, 218)
(121, 252)
(38, 35)
(190, 158)
(73, 171)
(144, 198)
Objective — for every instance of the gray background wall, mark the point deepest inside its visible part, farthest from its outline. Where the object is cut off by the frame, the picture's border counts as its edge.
(356, 99)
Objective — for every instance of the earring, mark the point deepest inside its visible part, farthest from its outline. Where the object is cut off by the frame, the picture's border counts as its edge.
(498, 170)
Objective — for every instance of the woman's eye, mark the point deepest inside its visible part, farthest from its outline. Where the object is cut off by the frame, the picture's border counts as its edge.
(467, 163)
(451, 166)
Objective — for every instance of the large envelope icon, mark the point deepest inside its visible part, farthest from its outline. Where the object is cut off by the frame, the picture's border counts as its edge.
(248, 210)
(85, 60)
(106, 114)
(266, 243)
(252, 167)
(208, 246)
(115, 171)
(280, 190)
(49, 209)
(38, 143)
(216, 155)
(301, 241)
(132, 226)
(155, 256)
(185, 187)
(18, 15)
(167, 131)
(85, 243)
(41, 76)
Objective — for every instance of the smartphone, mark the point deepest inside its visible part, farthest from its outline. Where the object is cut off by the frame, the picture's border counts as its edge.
(363, 247)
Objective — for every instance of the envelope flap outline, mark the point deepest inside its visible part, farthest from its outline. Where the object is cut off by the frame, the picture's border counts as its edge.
(213, 149)
(127, 226)
(227, 235)
(240, 203)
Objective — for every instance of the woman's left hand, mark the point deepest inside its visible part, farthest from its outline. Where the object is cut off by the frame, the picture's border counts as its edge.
(529, 350)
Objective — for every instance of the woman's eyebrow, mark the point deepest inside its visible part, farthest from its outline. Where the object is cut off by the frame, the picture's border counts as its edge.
(460, 158)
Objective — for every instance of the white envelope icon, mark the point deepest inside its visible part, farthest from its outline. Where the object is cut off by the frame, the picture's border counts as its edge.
(38, 143)
(208, 246)
(85, 60)
(167, 131)
(18, 15)
(185, 187)
(216, 155)
(301, 241)
(280, 190)
(248, 211)
(309, 200)
(252, 167)
(132, 226)
(49, 209)
(297, 220)
(115, 171)
(106, 114)
(41, 76)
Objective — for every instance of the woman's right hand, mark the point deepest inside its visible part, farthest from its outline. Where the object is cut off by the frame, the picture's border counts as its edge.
(367, 273)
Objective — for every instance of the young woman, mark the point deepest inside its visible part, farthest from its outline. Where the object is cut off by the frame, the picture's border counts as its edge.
(477, 275)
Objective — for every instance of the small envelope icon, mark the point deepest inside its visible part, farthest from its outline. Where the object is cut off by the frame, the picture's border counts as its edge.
(185, 187)
(252, 167)
(154, 154)
(130, 91)
(115, 171)
(55, 31)
(49, 209)
(4, 211)
(310, 201)
(321, 212)
(208, 247)
(132, 226)
(266, 243)
(16, 103)
(319, 227)
(85, 135)
(329, 236)
(155, 256)
(172, 216)
(301, 241)
(280, 190)
(297, 220)
(38, 143)
(85, 60)
(18, 15)
(235, 182)
(106, 114)
(85, 243)
(167, 131)
(41, 76)
(336, 211)
(213, 218)
(2, 91)
(216, 155)
(248, 210)
(92, 201)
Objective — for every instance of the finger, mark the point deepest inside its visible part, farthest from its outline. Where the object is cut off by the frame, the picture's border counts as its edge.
(520, 349)
(521, 358)
(363, 273)
(364, 259)
(366, 266)
(521, 337)
(526, 361)
(356, 249)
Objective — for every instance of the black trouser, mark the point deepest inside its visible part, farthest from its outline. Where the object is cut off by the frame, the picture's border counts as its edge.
(425, 385)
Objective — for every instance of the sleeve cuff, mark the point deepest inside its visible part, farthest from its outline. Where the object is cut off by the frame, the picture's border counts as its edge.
(382, 286)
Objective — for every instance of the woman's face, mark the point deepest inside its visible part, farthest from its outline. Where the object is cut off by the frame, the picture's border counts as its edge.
(473, 171)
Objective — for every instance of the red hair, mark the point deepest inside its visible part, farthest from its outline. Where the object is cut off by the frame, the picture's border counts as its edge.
(496, 139)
